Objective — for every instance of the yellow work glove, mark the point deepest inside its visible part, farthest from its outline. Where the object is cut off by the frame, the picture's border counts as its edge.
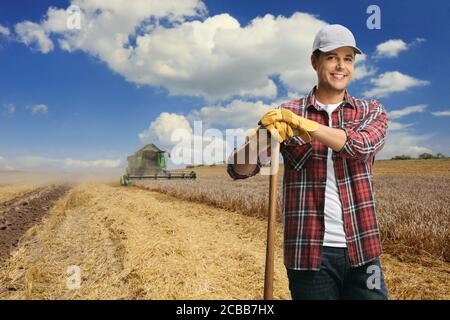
(280, 130)
(285, 115)
(286, 133)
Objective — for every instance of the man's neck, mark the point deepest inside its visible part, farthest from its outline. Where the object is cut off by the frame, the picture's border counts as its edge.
(329, 97)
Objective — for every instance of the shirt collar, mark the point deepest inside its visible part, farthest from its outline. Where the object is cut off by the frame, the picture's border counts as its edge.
(311, 99)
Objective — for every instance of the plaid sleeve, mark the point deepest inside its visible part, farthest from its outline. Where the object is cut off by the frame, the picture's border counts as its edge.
(368, 137)
(295, 152)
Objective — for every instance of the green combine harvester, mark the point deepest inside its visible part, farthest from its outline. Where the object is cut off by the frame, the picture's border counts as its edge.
(149, 162)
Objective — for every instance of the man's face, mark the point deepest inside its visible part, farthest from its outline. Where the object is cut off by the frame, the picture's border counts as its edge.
(334, 68)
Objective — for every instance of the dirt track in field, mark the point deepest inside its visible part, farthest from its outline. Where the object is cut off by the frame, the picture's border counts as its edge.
(21, 213)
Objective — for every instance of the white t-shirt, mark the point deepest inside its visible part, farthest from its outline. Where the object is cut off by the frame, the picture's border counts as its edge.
(334, 224)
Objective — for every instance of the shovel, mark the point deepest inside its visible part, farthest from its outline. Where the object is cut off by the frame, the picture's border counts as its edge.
(273, 196)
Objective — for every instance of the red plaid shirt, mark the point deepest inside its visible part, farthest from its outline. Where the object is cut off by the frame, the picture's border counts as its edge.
(305, 175)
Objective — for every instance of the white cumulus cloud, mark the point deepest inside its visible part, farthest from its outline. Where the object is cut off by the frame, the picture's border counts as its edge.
(396, 126)
(160, 130)
(236, 114)
(186, 144)
(4, 31)
(189, 54)
(395, 114)
(392, 81)
(405, 142)
(216, 58)
(402, 139)
(392, 48)
(38, 109)
(33, 35)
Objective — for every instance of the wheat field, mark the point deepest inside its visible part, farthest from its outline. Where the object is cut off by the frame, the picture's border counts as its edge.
(413, 205)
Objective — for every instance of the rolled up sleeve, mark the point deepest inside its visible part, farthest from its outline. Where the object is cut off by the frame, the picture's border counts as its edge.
(368, 138)
(234, 175)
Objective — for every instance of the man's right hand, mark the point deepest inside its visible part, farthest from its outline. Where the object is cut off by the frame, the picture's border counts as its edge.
(285, 115)
(282, 131)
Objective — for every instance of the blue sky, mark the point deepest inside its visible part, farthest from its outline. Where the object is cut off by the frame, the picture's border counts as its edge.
(84, 99)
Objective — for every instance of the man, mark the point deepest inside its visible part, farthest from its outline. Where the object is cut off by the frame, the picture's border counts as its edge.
(331, 237)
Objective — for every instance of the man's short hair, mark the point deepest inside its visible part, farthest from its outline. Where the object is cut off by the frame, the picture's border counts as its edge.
(317, 53)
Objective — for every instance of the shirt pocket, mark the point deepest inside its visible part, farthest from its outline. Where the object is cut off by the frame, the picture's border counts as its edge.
(295, 155)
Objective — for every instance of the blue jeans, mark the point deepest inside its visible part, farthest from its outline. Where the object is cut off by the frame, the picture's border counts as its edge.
(336, 279)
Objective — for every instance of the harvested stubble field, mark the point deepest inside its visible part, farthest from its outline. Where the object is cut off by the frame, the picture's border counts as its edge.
(136, 244)
(205, 239)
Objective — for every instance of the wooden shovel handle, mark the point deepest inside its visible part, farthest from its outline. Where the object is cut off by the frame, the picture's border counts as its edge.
(273, 196)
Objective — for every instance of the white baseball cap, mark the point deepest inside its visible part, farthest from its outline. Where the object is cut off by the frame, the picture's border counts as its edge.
(334, 36)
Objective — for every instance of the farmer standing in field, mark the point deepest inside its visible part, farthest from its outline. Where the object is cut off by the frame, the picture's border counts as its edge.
(331, 237)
